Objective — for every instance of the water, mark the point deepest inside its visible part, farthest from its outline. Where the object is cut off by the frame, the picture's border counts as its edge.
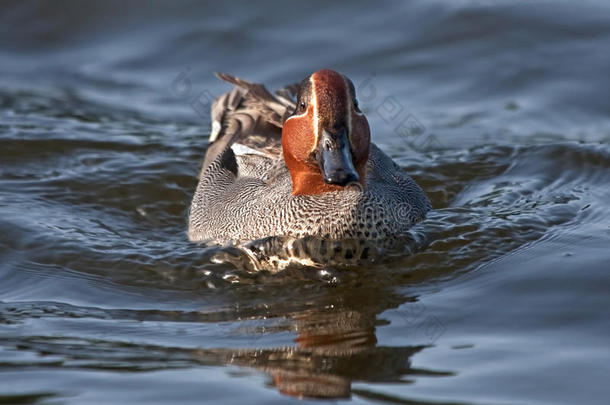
(499, 111)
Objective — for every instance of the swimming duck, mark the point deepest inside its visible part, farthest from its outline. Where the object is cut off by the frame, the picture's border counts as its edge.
(299, 163)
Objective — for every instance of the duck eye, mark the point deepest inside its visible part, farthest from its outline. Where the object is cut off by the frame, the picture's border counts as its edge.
(302, 105)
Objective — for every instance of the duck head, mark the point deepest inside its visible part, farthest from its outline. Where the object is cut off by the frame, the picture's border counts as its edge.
(326, 140)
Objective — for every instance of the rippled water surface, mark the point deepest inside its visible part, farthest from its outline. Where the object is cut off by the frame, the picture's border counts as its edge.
(501, 112)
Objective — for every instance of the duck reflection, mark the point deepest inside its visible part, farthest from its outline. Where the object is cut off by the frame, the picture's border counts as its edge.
(335, 345)
(333, 329)
(332, 351)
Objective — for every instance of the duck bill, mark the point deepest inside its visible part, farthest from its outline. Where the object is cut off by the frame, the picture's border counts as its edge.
(335, 158)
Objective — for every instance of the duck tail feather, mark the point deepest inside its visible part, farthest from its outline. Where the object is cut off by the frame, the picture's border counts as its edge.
(257, 90)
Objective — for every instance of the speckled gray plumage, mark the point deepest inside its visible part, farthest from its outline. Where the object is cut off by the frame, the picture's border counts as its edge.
(248, 197)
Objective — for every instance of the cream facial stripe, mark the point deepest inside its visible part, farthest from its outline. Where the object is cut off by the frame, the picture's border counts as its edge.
(297, 116)
(316, 123)
(314, 101)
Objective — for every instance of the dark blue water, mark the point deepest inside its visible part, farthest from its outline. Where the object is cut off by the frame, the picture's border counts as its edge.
(499, 110)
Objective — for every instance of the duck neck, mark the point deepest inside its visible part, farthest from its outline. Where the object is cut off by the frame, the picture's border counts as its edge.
(310, 183)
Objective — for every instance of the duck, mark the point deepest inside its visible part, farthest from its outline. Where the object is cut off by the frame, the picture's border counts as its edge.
(299, 164)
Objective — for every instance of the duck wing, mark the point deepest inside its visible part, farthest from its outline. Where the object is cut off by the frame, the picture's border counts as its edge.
(248, 115)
